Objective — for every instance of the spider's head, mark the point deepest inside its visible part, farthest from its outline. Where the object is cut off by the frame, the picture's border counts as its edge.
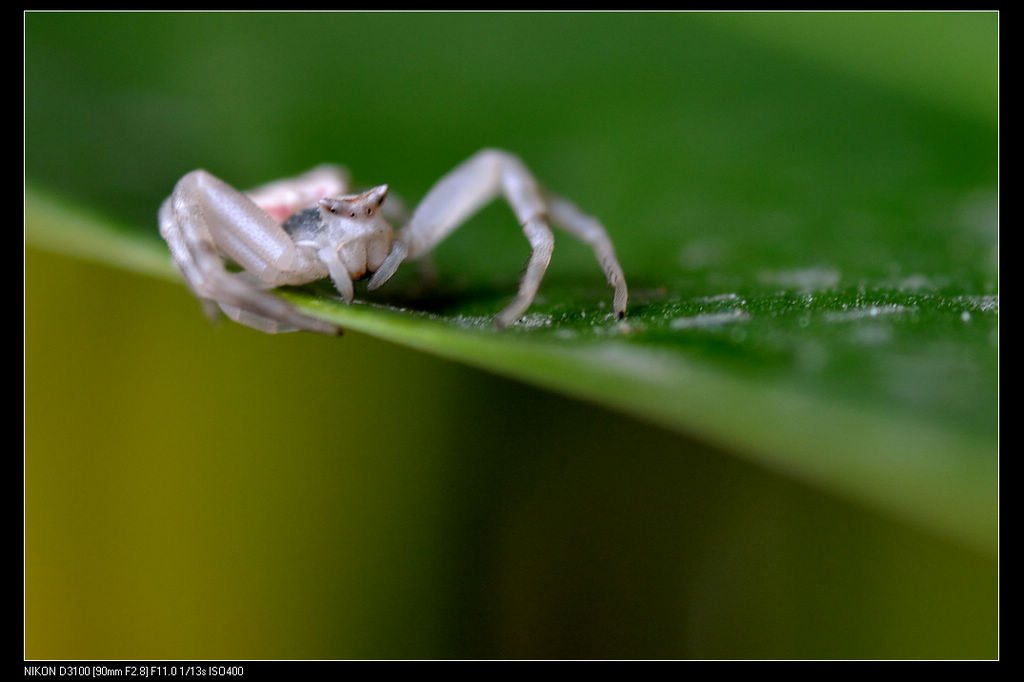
(356, 229)
(361, 208)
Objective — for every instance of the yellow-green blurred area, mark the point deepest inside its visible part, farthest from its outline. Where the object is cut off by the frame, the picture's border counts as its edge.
(205, 492)
(198, 490)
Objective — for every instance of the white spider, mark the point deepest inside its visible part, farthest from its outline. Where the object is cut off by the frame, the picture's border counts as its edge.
(306, 228)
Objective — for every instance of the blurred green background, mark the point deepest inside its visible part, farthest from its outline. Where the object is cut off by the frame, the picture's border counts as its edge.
(201, 491)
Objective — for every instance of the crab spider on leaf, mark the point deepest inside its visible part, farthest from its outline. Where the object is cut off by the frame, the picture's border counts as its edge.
(309, 227)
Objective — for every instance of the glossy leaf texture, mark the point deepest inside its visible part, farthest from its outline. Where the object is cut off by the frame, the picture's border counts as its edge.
(809, 227)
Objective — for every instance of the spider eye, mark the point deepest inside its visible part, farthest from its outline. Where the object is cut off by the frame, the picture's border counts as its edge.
(369, 211)
(352, 214)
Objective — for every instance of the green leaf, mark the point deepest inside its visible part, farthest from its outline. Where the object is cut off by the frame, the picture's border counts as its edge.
(809, 234)
(814, 386)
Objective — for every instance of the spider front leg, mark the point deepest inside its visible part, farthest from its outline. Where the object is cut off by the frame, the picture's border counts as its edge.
(471, 185)
(590, 231)
(205, 217)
